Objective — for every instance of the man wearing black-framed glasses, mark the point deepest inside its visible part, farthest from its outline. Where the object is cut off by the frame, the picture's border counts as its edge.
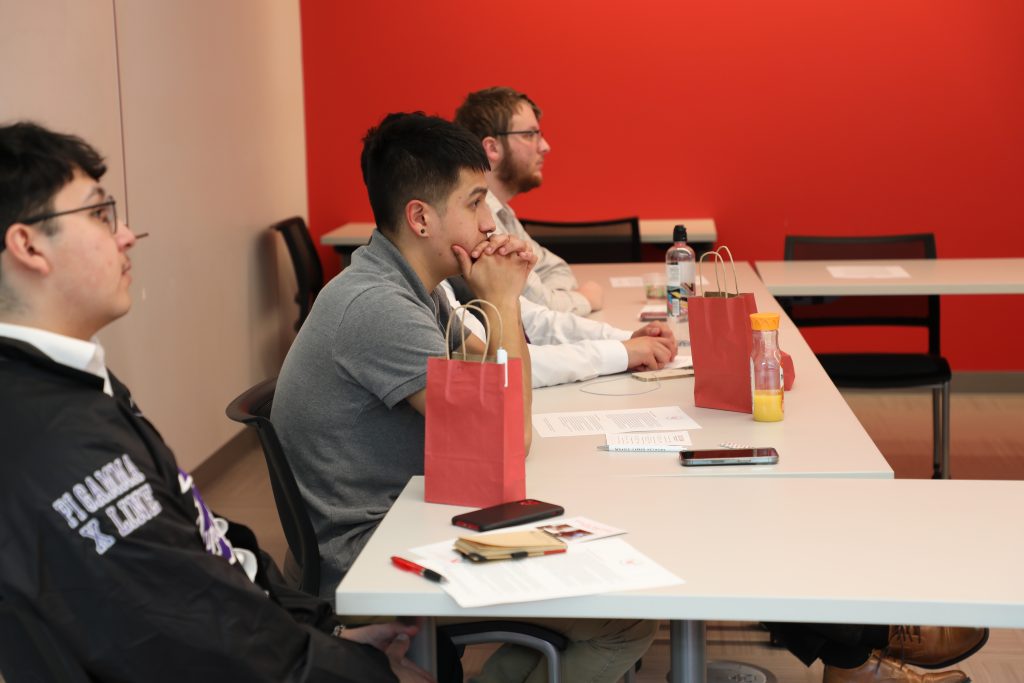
(507, 123)
(106, 542)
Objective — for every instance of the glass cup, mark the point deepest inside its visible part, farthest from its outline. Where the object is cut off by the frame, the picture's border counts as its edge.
(654, 285)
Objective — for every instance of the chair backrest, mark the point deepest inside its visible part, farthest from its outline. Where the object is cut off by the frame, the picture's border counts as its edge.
(611, 241)
(309, 273)
(903, 311)
(30, 652)
(252, 408)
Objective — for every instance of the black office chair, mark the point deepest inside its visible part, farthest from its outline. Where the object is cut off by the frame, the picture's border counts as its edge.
(879, 370)
(612, 241)
(252, 408)
(309, 274)
(29, 652)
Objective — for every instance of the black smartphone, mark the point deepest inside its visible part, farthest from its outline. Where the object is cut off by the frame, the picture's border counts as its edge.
(734, 456)
(507, 514)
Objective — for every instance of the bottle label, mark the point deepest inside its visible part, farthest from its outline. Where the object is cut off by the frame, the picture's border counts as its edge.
(680, 278)
(686, 275)
(676, 301)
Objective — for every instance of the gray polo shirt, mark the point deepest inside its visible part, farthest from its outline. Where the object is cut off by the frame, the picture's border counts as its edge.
(339, 408)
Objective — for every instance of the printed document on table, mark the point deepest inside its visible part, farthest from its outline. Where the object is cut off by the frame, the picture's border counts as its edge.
(580, 423)
(600, 567)
(568, 529)
(577, 529)
(627, 281)
(648, 442)
(867, 272)
(680, 362)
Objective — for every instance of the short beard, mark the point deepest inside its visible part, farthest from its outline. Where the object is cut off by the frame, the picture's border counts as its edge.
(513, 177)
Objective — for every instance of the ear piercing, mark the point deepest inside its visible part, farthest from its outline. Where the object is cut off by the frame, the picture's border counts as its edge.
(423, 231)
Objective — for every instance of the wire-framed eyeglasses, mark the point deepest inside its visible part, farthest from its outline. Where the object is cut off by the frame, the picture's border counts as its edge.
(105, 212)
(529, 135)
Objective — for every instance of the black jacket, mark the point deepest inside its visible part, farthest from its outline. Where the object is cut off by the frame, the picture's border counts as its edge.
(99, 540)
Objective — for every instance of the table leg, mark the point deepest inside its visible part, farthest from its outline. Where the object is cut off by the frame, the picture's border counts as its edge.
(687, 655)
(423, 648)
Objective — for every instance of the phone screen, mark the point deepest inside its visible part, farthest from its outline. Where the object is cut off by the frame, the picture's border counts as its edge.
(738, 456)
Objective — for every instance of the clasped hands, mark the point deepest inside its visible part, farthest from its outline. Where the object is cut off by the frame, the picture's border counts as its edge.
(651, 347)
(497, 267)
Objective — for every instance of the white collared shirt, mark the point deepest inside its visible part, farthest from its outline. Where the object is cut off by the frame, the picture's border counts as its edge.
(82, 355)
(564, 347)
(551, 282)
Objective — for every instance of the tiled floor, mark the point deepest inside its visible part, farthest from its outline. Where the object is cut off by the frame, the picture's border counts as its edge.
(987, 443)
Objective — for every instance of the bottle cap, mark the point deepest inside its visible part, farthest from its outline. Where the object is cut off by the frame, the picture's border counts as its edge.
(679, 233)
(764, 321)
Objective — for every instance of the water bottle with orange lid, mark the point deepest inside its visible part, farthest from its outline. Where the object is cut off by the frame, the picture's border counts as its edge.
(766, 368)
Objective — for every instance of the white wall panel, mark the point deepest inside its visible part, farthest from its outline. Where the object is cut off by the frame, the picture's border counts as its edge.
(58, 67)
(213, 152)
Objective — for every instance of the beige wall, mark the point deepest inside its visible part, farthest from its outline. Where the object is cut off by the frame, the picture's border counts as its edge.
(209, 135)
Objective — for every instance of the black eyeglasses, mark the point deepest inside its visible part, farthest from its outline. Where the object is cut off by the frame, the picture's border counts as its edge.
(530, 135)
(105, 212)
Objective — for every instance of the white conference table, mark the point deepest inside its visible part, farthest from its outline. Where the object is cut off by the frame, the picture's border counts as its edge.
(819, 438)
(775, 549)
(346, 238)
(820, 435)
(927, 276)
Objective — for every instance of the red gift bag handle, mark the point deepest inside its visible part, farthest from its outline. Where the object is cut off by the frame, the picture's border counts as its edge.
(472, 306)
(501, 356)
(719, 264)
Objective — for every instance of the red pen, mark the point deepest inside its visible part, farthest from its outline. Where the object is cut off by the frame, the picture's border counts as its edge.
(410, 566)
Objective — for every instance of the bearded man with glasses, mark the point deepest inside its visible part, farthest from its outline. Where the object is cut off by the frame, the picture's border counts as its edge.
(508, 125)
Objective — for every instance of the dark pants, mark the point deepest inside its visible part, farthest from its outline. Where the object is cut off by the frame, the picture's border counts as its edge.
(843, 645)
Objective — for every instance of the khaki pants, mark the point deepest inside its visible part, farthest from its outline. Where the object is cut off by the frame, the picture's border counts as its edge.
(599, 651)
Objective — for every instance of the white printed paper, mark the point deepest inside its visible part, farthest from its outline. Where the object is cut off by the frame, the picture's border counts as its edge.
(680, 361)
(867, 272)
(584, 569)
(649, 442)
(579, 530)
(630, 281)
(580, 423)
(567, 529)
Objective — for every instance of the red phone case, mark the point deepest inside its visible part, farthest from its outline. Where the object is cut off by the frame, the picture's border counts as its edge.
(507, 514)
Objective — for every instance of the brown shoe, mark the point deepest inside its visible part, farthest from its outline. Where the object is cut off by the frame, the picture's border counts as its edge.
(886, 670)
(934, 647)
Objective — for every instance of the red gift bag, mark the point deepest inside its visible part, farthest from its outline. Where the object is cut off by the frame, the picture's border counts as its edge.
(474, 453)
(720, 341)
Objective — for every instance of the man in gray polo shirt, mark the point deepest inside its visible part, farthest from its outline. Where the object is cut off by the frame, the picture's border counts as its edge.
(351, 396)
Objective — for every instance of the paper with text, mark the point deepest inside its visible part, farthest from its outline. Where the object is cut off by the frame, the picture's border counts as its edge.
(585, 569)
(580, 423)
(578, 529)
(680, 361)
(649, 442)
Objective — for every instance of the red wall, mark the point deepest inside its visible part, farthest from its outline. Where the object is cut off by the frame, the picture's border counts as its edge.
(792, 116)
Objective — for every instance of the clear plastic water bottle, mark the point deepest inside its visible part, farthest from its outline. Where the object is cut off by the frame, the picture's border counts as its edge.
(766, 368)
(679, 275)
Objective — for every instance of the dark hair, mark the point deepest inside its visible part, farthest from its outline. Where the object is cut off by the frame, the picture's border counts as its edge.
(35, 163)
(415, 156)
(488, 112)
